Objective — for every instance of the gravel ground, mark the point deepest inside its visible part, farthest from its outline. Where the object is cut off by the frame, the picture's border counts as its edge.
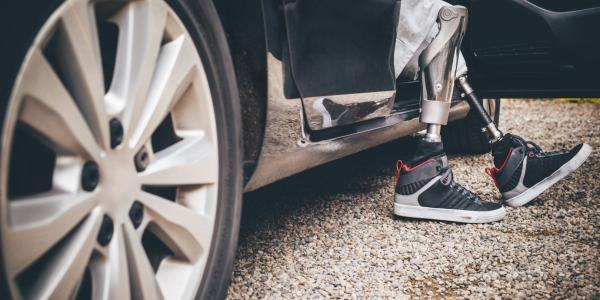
(330, 232)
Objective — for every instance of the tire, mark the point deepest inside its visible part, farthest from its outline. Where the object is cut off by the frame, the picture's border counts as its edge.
(23, 22)
(465, 136)
(211, 41)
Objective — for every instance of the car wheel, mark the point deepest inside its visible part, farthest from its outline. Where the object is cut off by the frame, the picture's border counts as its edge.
(465, 136)
(120, 169)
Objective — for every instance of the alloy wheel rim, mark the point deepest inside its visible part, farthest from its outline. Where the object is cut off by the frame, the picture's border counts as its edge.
(119, 216)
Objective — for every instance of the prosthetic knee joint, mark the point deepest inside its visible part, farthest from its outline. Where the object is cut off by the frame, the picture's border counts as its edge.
(438, 69)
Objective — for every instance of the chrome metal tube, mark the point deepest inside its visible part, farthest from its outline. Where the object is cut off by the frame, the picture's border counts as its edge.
(493, 131)
(434, 133)
(438, 67)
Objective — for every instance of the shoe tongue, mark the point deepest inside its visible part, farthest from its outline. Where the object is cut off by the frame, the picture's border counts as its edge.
(444, 160)
(446, 176)
(441, 161)
(500, 149)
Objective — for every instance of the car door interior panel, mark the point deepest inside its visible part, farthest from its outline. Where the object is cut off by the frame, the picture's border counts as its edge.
(537, 48)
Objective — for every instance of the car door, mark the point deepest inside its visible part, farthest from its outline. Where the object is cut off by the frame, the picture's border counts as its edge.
(339, 58)
(534, 48)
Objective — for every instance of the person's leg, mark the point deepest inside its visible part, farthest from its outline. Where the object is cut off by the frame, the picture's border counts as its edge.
(521, 170)
(425, 186)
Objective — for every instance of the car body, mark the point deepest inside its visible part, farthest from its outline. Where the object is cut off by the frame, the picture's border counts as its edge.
(536, 54)
(131, 129)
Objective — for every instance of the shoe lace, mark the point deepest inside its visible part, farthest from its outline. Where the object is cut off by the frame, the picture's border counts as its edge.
(465, 192)
(535, 148)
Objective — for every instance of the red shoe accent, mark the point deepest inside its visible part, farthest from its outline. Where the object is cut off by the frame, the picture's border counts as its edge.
(402, 166)
(510, 150)
(399, 165)
(408, 168)
(492, 171)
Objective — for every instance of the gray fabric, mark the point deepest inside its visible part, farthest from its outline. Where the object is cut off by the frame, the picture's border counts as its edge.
(417, 27)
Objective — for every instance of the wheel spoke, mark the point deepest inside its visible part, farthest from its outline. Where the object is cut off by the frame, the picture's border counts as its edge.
(66, 266)
(174, 278)
(80, 56)
(141, 274)
(141, 29)
(111, 277)
(49, 109)
(190, 161)
(173, 75)
(42, 221)
(185, 231)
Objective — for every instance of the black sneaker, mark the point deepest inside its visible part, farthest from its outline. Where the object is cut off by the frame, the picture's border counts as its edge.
(522, 171)
(428, 191)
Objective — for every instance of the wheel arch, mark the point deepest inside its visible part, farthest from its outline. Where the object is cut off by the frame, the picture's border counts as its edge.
(243, 24)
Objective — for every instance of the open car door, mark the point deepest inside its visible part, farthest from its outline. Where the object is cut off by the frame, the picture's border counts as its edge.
(340, 59)
(534, 48)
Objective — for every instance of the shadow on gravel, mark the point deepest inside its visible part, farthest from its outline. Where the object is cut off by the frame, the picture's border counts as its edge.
(273, 204)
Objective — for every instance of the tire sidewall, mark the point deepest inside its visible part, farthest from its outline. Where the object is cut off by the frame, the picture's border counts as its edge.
(203, 24)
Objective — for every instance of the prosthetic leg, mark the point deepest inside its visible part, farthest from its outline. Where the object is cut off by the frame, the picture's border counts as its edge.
(438, 65)
(425, 187)
(494, 133)
(521, 170)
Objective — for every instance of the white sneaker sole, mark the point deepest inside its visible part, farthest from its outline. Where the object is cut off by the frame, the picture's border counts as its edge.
(555, 177)
(451, 215)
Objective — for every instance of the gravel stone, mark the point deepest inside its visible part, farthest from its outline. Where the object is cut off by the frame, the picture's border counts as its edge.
(330, 232)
